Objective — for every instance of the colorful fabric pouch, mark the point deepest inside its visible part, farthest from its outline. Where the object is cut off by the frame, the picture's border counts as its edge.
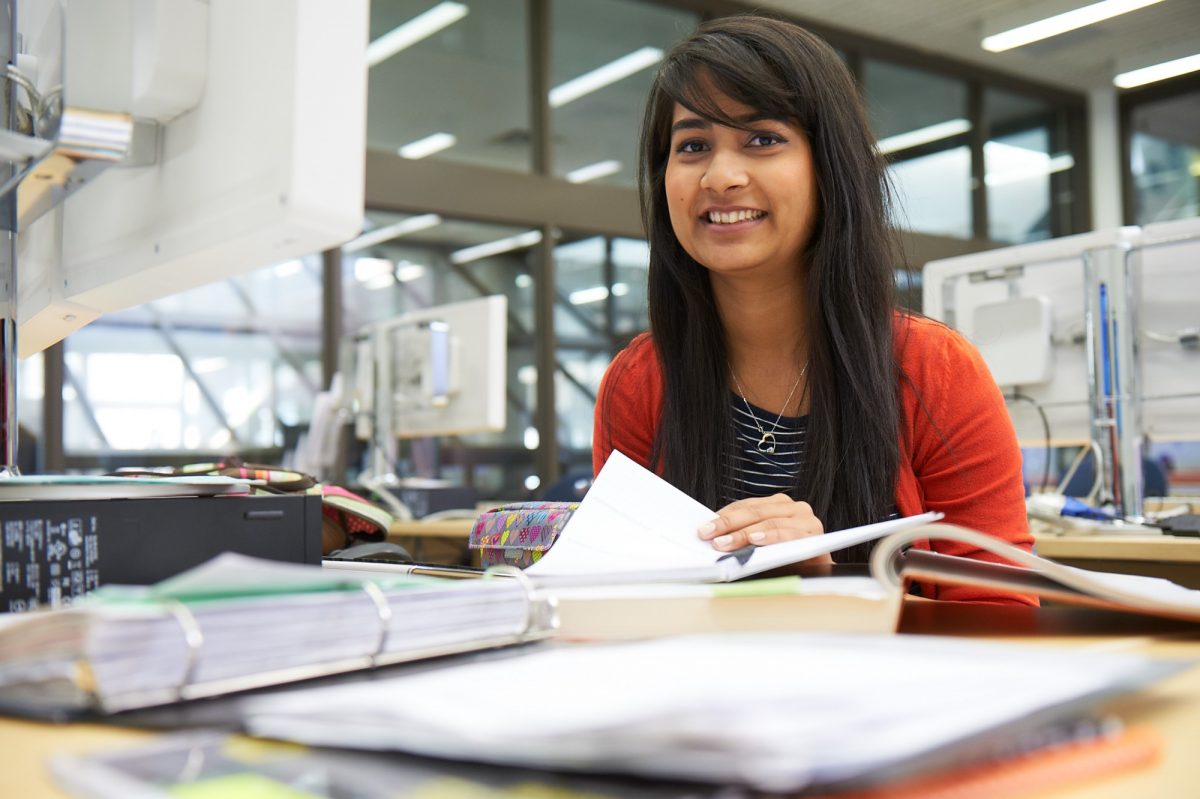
(519, 533)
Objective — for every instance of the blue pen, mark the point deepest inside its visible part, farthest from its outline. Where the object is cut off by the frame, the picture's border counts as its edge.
(1104, 343)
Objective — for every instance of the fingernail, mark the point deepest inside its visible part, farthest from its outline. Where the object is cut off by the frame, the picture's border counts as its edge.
(706, 528)
(723, 541)
(758, 536)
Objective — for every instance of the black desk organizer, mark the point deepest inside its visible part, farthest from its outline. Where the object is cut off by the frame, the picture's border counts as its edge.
(55, 551)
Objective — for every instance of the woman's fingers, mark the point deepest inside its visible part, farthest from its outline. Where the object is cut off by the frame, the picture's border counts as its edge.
(761, 521)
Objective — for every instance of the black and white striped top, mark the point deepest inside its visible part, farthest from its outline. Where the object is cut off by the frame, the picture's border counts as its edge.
(759, 474)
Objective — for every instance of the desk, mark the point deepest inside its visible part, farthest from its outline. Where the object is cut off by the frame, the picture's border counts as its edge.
(1176, 558)
(1172, 706)
(443, 541)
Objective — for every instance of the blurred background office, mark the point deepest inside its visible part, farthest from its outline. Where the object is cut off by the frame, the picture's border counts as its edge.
(500, 160)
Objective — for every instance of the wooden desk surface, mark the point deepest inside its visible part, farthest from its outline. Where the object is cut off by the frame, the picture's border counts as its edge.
(446, 528)
(1172, 706)
(1159, 548)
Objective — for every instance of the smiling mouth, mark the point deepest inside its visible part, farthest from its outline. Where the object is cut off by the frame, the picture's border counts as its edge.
(732, 217)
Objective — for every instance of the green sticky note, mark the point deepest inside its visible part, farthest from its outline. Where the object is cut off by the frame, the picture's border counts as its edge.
(772, 586)
(245, 785)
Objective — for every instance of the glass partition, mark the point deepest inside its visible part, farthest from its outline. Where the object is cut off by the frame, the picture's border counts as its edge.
(602, 60)
(921, 121)
(1026, 164)
(1164, 158)
(450, 81)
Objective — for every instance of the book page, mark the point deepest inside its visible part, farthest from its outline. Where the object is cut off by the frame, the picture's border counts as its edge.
(633, 525)
(631, 520)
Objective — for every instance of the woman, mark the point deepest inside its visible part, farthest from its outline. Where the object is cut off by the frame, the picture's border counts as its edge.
(779, 382)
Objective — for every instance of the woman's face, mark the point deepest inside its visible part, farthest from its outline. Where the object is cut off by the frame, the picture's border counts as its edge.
(741, 200)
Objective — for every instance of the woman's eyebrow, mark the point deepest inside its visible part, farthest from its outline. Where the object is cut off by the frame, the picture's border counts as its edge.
(691, 123)
(699, 123)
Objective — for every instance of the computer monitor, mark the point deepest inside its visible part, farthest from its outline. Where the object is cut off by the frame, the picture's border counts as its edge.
(435, 371)
(1024, 308)
(262, 113)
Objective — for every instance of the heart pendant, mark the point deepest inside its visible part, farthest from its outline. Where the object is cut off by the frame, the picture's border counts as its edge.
(766, 444)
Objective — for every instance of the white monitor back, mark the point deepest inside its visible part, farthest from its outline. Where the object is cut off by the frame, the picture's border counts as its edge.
(444, 370)
(260, 155)
(969, 293)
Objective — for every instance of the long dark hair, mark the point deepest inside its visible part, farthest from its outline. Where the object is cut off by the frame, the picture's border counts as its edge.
(852, 441)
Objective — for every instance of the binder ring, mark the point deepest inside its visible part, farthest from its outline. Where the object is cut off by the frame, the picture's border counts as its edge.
(193, 636)
(384, 609)
(507, 570)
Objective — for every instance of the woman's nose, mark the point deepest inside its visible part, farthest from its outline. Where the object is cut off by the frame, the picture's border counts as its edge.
(725, 171)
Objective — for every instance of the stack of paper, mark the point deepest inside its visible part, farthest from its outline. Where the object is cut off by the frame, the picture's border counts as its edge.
(238, 622)
(779, 712)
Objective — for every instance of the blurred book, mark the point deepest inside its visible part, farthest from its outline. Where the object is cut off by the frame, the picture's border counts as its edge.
(894, 564)
(237, 622)
(210, 765)
(772, 712)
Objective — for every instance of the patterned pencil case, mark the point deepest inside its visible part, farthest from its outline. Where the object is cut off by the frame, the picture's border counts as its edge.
(519, 533)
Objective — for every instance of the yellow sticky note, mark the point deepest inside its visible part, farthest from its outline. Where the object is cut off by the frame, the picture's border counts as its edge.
(246, 785)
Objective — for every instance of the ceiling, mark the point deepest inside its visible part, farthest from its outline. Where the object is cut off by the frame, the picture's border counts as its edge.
(1082, 59)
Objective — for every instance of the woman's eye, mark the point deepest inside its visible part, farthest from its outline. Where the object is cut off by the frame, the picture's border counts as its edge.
(765, 139)
(690, 146)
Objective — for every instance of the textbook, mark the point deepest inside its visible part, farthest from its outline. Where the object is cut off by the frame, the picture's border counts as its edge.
(237, 622)
(893, 563)
(634, 527)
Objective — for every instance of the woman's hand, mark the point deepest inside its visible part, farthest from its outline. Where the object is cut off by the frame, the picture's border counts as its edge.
(762, 520)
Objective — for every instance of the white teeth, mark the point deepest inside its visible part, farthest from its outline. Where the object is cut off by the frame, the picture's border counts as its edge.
(730, 217)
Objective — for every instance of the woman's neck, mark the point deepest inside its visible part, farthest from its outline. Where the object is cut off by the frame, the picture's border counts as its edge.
(764, 323)
(765, 338)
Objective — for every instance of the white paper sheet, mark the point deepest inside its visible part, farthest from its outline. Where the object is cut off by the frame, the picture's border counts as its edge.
(634, 526)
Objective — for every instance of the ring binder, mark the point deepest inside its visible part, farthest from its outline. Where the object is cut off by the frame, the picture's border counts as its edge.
(384, 608)
(507, 570)
(253, 624)
(193, 636)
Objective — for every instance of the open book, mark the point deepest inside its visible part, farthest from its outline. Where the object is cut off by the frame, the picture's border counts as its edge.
(893, 563)
(237, 622)
(634, 527)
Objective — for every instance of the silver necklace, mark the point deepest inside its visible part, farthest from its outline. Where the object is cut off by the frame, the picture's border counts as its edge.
(766, 444)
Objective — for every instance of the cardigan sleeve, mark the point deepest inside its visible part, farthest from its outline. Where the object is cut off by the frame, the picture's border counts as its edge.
(628, 405)
(964, 451)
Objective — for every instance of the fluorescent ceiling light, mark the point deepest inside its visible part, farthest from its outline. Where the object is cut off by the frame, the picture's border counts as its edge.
(912, 138)
(288, 268)
(419, 27)
(585, 296)
(1167, 69)
(406, 271)
(600, 169)
(518, 242)
(1015, 164)
(1061, 23)
(389, 232)
(600, 77)
(428, 145)
(374, 272)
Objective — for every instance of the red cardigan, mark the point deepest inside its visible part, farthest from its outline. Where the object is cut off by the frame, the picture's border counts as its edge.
(958, 450)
